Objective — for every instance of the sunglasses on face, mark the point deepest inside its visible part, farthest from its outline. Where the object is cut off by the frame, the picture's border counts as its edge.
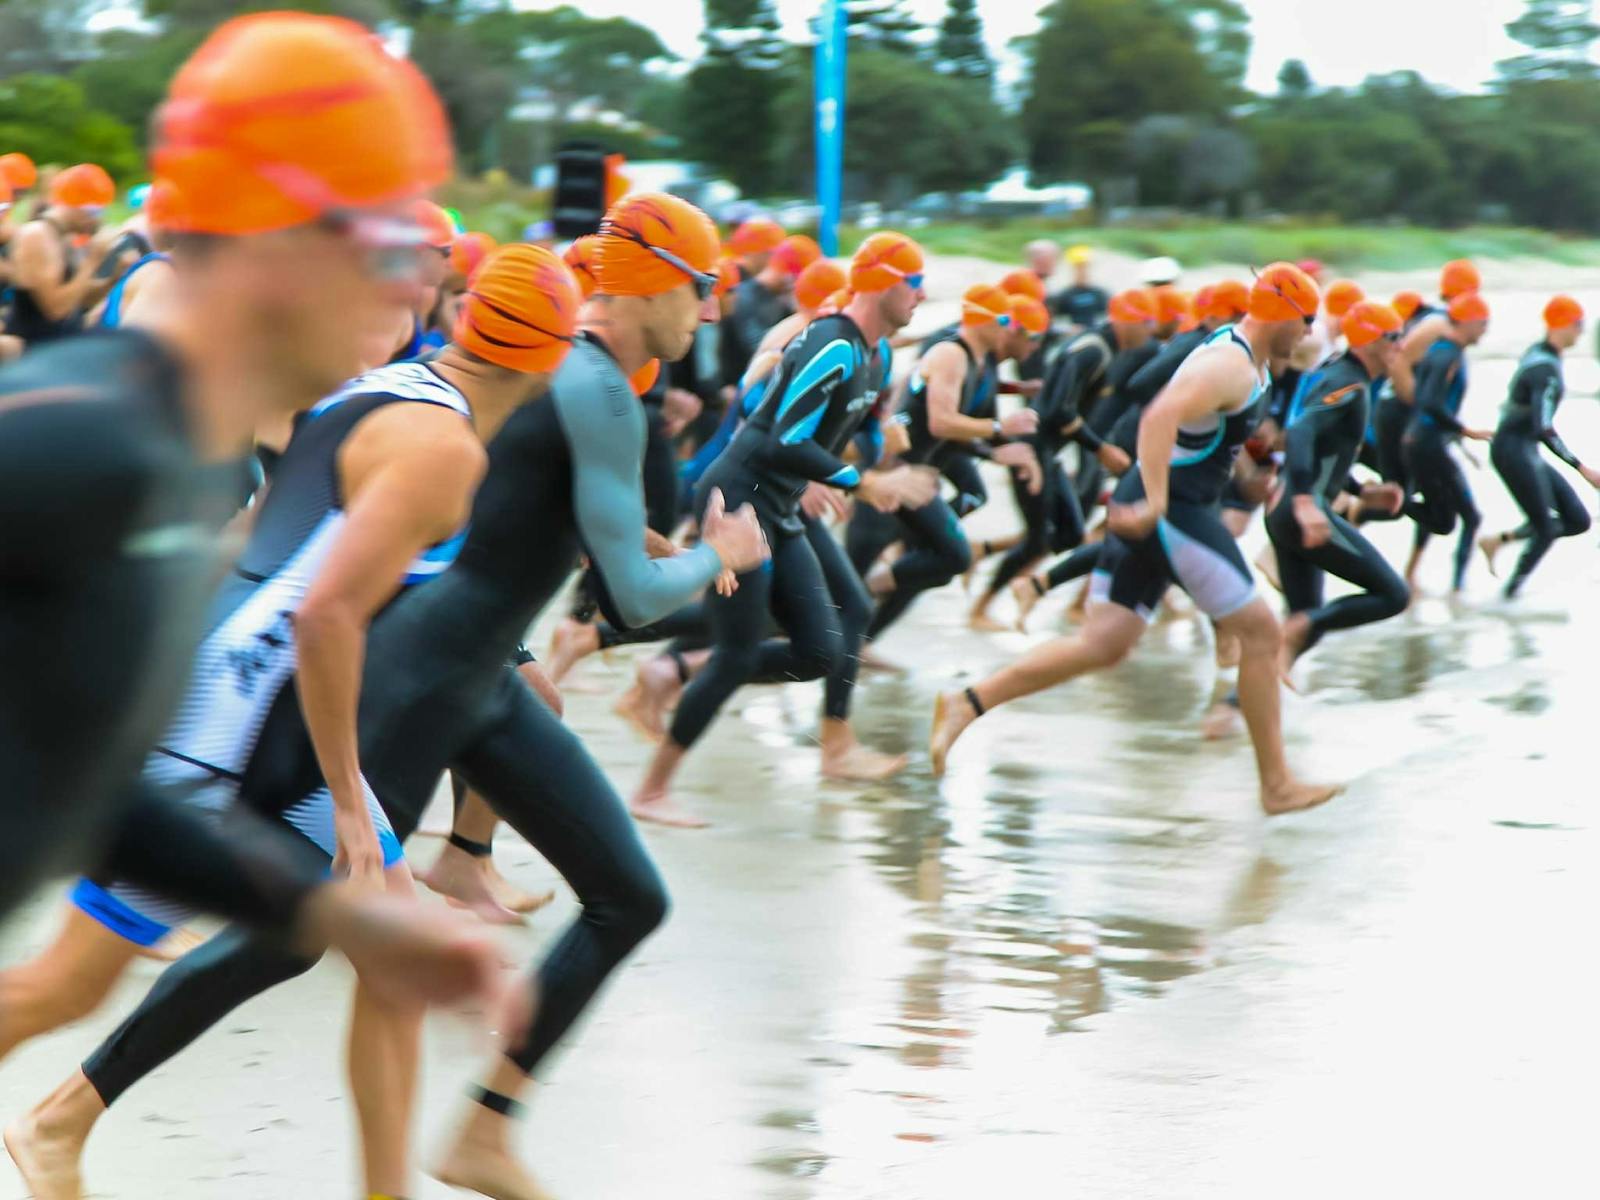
(705, 285)
(388, 245)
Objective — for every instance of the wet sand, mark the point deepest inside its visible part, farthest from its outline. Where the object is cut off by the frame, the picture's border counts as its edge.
(1081, 965)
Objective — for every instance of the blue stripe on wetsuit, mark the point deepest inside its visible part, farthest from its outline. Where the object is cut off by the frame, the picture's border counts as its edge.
(837, 356)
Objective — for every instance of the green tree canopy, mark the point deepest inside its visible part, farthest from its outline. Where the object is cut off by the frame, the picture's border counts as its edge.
(47, 118)
(960, 50)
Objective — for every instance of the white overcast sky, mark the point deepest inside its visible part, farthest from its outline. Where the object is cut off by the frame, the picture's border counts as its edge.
(1453, 42)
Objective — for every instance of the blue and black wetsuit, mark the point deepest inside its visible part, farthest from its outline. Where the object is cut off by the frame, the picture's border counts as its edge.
(1190, 546)
(1441, 380)
(1527, 421)
(818, 398)
(1391, 417)
(1327, 425)
(563, 480)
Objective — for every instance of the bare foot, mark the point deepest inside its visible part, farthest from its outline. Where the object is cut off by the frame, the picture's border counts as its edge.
(510, 895)
(571, 642)
(871, 660)
(1491, 545)
(461, 879)
(489, 1171)
(1296, 629)
(951, 716)
(174, 946)
(1025, 591)
(645, 705)
(48, 1164)
(659, 808)
(1222, 721)
(861, 765)
(982, 622)
(1297, 797)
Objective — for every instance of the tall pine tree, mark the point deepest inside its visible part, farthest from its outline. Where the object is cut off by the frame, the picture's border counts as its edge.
(960, 49)
(883, 25)
(1559, 35)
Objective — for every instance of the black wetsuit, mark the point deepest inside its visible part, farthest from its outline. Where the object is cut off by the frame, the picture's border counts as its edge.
(1327, 425)
(1191, 546)
(111, 541)
(755, 310)
(562, 479)
(1446, 497)
(1527, 421)
(1075, 380)
(816, 400)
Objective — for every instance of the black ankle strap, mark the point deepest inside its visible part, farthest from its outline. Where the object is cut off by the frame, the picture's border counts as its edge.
(972, 699)
(495, 1102)
(682, 665)
(1038, 585)
(467, 845)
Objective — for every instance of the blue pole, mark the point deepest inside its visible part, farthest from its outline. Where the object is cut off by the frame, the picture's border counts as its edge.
(830, 121)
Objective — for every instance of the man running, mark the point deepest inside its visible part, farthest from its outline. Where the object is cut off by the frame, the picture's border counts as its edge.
(1440, 383)
(950, 405)
(1527, 421)
(122, 456)
(1215, 306)
(1324, 437)
(822, 393)
(1074, 382)
(1166, 529)
(563, 478)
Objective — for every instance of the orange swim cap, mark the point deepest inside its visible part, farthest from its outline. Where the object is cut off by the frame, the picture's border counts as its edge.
(644, 240)
(1171, 305)
(1229, 301)
(1561, 312)
(835, 303)
(758, 235)
(468, 251)
(520, 310)
(580, 257)
(83, 186)
(642, 380)
(728, 277)
(17, 170)
(438, 230)
(1457, 278)
(1469, 307)
(280, 118)
(795, 253)
(1406, 304)
(984, 304)
(5, 194)
(1136, 306)
(1283, 292)
(1023, 283)
(1366, 321)
(817, 282)
(1030, 314)
(1342, 295)
(884, 260)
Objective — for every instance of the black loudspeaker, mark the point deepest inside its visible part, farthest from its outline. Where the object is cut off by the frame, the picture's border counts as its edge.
(580, 197)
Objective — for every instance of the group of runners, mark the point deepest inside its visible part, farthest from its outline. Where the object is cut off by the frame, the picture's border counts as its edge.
(291, 464)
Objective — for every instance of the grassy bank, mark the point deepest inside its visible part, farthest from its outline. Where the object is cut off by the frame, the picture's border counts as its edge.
(1341, 246)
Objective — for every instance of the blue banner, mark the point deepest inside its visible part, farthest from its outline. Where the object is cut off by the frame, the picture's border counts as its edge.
(830, 121)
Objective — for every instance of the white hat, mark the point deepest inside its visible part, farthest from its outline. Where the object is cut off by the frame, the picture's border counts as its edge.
(1155, 271)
